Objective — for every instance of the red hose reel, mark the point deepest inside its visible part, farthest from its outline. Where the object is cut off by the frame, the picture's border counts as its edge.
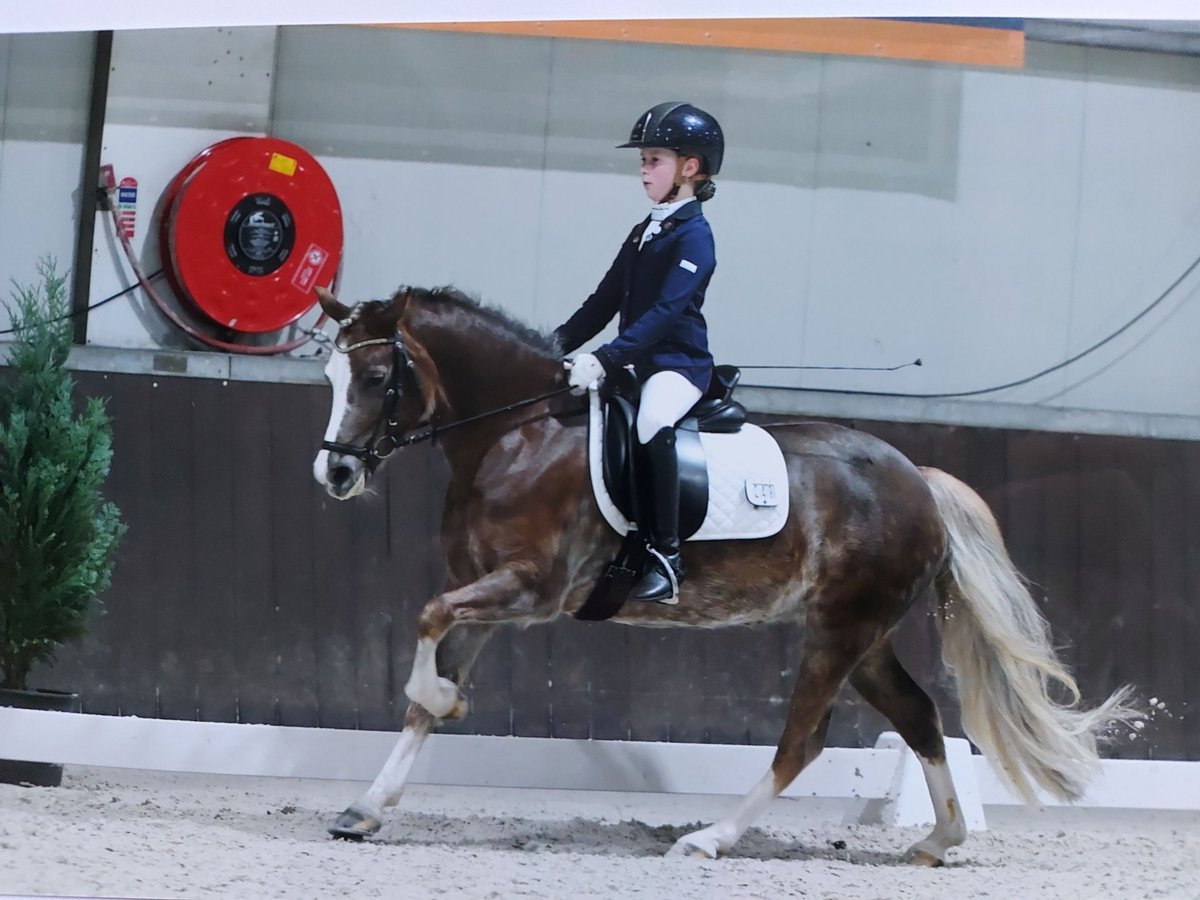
(248, 228)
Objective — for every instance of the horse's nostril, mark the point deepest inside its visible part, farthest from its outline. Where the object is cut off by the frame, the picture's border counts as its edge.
(340, 475)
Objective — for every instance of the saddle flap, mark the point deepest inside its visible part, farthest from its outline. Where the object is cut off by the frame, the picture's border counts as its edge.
(618, 457)
(745, 477)
(622, 458)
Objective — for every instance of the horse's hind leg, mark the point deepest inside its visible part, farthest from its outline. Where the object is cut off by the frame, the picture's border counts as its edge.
(827, 661)
(721, 836)
(884, 683)
(364, 816)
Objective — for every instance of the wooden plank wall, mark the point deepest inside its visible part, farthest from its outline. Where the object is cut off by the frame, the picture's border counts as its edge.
(971, 42)
(243, 594)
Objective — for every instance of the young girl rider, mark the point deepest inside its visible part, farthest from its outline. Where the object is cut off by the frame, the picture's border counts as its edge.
(657, 285)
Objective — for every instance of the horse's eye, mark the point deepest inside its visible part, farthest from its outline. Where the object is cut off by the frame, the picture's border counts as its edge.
(375, 378)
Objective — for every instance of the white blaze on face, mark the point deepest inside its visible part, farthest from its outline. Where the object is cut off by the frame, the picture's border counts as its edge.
(337, 370)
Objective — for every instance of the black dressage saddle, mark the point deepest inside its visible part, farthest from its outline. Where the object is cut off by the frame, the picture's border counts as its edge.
(622, 460)
(716, 412)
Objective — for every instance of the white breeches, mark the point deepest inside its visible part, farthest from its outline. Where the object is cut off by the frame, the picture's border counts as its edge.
(666, 398)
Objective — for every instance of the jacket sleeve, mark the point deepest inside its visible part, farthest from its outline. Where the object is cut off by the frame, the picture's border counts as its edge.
(693, 262)
(596, 311)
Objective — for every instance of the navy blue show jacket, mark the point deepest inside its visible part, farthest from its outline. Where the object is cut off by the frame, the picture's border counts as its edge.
(658, 292)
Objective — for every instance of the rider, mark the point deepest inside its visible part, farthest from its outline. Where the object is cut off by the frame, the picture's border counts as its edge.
(657, 284)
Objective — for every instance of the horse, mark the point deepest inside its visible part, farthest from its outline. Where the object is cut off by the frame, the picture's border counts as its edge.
(868, 535)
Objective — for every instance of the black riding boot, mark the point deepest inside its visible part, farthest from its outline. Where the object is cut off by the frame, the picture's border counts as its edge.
(657, 585)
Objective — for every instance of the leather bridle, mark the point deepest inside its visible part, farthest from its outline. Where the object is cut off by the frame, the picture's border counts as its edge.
(379, 446)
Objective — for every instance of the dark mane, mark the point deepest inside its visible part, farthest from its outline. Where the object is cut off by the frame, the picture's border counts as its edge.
(491, 317)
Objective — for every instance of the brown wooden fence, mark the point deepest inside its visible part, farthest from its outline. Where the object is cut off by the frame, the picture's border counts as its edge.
(243, 594)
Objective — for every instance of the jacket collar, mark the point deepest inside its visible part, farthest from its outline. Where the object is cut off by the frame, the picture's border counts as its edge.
(685, 212)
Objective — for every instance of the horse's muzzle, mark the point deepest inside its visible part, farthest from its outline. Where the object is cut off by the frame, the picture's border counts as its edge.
(345, 476)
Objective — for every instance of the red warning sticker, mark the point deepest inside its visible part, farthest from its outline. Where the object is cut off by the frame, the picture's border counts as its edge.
(127, 206)
(309, 269)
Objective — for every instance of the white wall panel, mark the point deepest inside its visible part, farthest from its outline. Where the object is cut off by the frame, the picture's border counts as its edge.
(400, 229)
(44, 85)
(1139, 229)
(1016, 215)
(409, 96)
(887, 152)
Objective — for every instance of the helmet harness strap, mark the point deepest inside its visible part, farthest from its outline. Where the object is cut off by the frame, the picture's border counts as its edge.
(681, 160)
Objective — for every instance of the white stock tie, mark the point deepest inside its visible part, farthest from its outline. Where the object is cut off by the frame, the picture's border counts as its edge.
(658, 212)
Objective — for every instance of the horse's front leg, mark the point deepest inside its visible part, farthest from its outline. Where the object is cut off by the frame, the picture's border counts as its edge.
(365, 815)
(505, 595)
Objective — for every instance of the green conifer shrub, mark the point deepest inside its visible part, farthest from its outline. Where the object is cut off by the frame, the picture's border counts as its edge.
(58, 535)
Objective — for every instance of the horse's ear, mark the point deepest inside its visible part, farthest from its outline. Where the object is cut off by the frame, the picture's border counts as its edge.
(337, 311)
(400, 303)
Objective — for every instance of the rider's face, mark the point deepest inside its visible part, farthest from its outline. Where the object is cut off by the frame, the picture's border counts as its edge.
(658, 172)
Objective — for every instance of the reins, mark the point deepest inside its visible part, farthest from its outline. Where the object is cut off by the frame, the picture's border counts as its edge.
(379, 448)
(433, 431)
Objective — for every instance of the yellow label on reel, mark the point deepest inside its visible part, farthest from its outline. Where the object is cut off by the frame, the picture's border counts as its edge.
(284, 165)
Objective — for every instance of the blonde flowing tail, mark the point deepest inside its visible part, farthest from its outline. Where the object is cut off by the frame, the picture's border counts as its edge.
(1020, 705)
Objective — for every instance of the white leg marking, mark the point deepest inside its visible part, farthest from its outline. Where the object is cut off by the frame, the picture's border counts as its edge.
(425, 686)
(721, 836)
(950, 827)
(389, 784)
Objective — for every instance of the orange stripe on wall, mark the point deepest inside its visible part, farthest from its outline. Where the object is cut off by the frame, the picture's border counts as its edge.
(935, 42)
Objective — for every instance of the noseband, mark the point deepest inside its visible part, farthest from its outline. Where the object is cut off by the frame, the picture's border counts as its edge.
(378, 447)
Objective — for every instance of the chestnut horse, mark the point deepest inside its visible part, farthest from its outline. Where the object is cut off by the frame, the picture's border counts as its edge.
(868, 535)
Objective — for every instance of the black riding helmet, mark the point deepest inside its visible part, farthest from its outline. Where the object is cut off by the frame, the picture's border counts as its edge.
(681, 127)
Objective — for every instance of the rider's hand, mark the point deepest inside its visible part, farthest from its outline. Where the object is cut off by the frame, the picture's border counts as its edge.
(585, 371)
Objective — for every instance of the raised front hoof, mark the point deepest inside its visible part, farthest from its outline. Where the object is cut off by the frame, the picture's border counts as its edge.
(353, 825)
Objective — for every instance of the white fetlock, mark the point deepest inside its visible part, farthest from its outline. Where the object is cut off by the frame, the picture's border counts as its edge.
(699, 844)
(438, 695)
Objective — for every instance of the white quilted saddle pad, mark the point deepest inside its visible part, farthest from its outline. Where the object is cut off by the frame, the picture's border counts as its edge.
(747, 483)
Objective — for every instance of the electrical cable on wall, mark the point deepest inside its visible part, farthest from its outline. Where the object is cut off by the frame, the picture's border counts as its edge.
(946, 395)
(99, 303)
